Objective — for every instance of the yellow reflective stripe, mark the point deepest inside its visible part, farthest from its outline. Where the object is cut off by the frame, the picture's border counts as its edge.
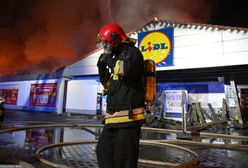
(116, 70)
(125, 112)
(124, 119)
(117, 67)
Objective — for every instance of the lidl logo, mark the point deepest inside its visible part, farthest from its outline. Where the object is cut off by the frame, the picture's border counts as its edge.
(157, 45)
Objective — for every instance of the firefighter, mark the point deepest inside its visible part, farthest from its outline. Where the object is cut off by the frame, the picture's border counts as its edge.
(121, 68)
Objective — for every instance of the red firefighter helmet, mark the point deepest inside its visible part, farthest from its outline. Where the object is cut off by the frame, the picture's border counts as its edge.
(111, 33)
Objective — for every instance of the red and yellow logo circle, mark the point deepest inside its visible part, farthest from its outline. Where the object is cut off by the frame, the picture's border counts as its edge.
(156, 46)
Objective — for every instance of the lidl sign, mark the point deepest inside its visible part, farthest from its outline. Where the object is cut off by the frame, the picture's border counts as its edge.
(157, 45)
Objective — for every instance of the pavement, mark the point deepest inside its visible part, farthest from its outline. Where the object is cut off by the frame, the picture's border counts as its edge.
(19, 147)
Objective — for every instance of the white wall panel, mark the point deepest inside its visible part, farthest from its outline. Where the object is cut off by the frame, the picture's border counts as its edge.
(238, 58)
(85, 70)
(85, 66)
(183, 32)
(198, 56)
(88, 61)
(234, 34)
(9, 85)
(198, 50)
(200, 62)
(23, 93)
(82, 95)
(235, 45)
(205, 37)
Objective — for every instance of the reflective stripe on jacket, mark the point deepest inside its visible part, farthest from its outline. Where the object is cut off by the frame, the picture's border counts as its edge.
(122, 116)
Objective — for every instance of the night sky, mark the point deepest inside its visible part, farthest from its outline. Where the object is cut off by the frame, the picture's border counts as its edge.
(231, 13)
(39, 36)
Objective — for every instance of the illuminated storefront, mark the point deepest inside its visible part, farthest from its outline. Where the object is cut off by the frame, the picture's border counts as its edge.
(201, 59)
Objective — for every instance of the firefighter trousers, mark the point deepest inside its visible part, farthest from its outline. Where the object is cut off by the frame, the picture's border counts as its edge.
(118, 147)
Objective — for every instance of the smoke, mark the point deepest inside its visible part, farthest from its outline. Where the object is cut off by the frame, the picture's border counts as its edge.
(136, 13)
(43, 35)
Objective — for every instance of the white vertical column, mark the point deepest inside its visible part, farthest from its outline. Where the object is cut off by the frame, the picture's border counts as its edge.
(61, 94)
(184, 103)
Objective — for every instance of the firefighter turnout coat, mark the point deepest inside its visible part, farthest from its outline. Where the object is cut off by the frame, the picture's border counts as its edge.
(121, 74)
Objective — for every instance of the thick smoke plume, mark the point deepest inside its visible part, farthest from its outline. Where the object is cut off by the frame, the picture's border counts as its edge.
(43, 35)
(133, 13)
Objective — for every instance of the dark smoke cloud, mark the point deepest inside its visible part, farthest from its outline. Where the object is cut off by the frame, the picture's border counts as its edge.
(135, 13)
(43, 35)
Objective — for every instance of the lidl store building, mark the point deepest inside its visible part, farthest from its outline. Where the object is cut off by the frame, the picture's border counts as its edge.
(208, 62)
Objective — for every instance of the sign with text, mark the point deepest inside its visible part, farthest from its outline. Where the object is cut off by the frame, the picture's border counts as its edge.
(43, 94)
(157, 45)
(174, 103)
(10, 96)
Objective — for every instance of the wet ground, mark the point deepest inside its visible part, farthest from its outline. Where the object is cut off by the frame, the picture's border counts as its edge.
(22, 145)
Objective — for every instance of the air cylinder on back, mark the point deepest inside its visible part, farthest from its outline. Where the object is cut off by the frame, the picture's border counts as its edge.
(150, 81)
